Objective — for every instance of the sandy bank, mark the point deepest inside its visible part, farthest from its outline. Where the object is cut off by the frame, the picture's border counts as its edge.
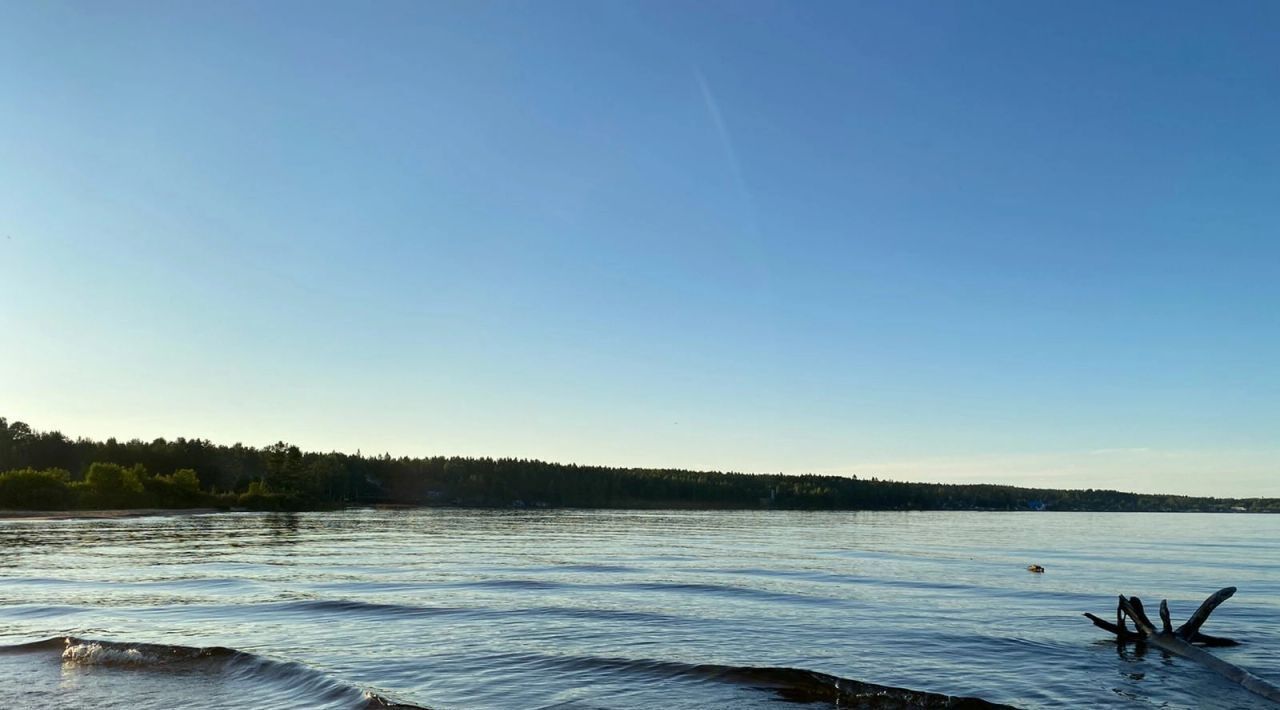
(100, 514)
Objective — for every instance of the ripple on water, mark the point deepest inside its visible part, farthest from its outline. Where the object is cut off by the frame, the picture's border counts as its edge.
(624, 609)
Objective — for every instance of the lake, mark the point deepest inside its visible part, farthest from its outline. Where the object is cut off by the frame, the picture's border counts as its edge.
(577, 609)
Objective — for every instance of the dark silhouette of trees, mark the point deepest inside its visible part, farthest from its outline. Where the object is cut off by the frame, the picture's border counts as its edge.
(29, 489)
(47, 470)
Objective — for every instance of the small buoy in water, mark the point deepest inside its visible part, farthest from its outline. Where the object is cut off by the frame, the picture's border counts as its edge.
(1035, 568)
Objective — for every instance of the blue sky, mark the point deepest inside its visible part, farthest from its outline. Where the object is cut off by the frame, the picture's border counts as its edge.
(1013, 242)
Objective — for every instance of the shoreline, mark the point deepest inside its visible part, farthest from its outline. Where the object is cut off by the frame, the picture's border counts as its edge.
(122, 513)
(103, 514)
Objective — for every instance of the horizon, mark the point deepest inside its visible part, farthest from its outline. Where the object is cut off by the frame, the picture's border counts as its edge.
(1018, 244)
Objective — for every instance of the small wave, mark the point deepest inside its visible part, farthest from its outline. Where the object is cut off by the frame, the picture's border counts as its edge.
(610, 615)
(805, 686)
(92, 653)
(39, 611)
(609, 569)
(205, 585)
(732, 591)
(538, 585)
(796, 685)
(588, 568)
(722, 590)
(267, 682)
(350, 608)
(359, 608)
(517, 584)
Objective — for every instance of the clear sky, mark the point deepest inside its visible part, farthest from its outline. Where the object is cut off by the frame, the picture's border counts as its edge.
(1021, 242)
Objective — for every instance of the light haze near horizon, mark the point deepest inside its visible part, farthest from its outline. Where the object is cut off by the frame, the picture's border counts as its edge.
(1022, 243)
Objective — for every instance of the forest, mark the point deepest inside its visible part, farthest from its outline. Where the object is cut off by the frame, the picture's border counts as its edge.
(46, 470)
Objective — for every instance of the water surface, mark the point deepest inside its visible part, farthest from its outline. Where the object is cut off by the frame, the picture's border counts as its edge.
(621, 609)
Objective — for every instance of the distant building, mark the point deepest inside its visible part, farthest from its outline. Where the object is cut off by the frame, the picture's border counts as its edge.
(1036, 505)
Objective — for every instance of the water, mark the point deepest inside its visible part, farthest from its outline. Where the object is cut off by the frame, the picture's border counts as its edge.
(621, 609)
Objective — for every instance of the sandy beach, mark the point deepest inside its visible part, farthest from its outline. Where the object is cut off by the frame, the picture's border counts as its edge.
(100, 514)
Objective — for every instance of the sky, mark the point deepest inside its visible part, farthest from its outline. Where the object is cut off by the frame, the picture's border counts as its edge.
(1013, 242)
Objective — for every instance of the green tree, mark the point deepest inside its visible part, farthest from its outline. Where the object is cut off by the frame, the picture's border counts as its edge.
(110, 485)
(284, 467)
(29, 489)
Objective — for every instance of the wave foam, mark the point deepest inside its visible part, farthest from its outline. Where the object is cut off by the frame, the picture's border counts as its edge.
(93, 653)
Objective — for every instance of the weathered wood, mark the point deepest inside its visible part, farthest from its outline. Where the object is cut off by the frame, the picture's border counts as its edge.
(1121, 632)
(1179, 642)
(1189, 631)
(1192, 627)
(1207, 640)
(1132, 607)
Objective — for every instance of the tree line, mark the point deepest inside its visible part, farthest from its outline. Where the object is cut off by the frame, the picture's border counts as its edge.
(46, 470)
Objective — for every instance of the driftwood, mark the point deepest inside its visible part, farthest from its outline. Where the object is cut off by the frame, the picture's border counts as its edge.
(1189, 632)
(1180, 641)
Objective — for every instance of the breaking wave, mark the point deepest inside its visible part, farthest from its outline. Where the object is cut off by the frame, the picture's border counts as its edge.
(245, 679)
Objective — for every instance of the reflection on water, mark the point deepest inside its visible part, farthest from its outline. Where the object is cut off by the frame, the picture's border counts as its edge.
(464, 608)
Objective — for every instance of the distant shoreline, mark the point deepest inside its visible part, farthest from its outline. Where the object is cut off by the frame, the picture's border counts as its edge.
(122, 513)
(48, 471)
